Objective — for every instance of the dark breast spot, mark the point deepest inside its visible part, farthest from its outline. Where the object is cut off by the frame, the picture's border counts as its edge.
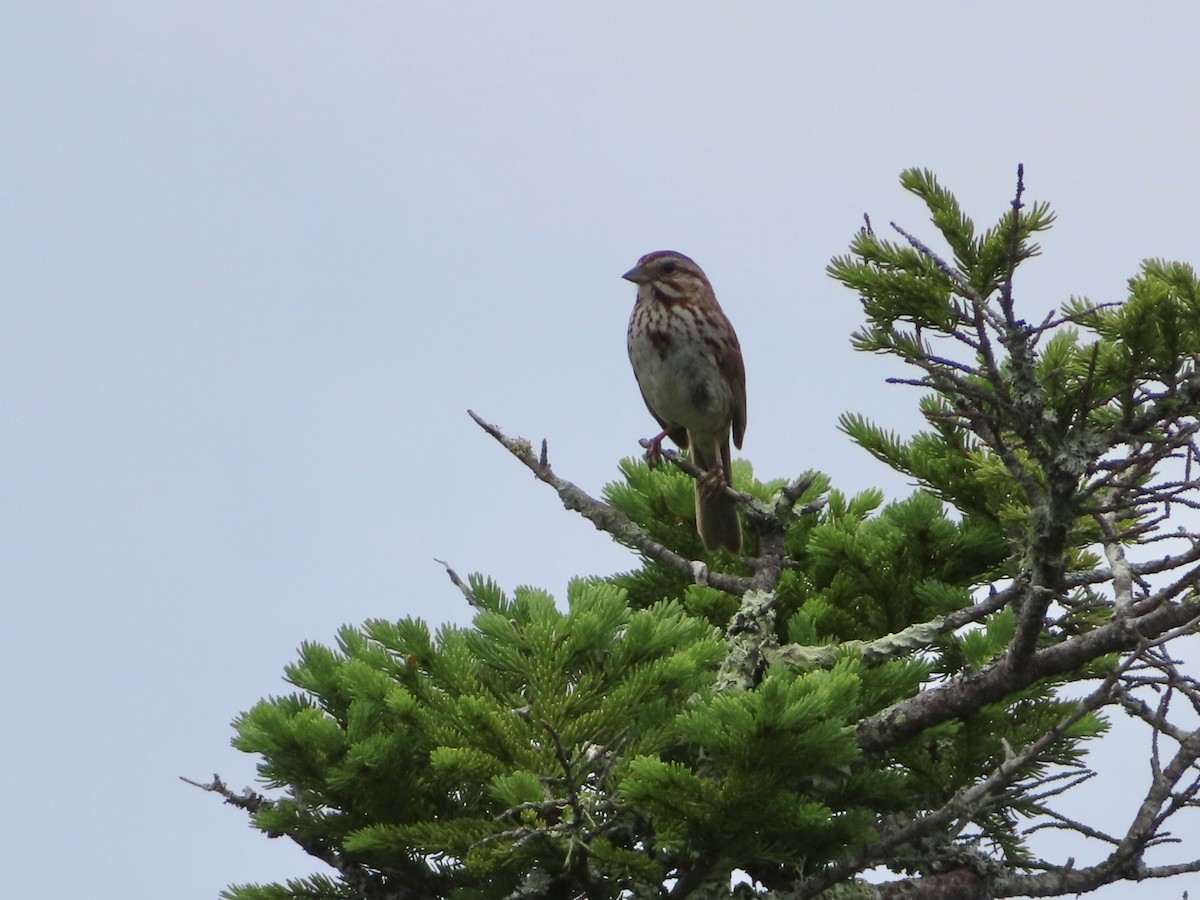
(700, 395)
(660, 341)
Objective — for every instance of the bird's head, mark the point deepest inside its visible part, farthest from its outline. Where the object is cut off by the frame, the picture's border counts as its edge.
(669, 274)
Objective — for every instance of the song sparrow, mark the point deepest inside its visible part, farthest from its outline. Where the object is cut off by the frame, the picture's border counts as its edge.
(688, 363)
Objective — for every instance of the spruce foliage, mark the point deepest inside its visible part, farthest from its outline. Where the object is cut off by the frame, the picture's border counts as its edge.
(900, 702)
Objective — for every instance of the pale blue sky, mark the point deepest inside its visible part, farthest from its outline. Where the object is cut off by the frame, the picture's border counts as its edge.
(258, 258)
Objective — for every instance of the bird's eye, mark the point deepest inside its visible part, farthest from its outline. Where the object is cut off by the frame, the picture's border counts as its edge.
(669, 267)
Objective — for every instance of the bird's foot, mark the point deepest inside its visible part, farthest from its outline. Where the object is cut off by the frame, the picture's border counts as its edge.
(653, 448)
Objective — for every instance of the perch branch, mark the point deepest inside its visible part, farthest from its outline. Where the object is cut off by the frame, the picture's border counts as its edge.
(608, 519)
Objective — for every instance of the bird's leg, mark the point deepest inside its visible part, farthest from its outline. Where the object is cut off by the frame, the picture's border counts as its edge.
(653, 449)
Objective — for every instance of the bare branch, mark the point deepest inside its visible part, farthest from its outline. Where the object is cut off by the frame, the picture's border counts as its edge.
(608, 519)
(460, 584)
(1122, 579)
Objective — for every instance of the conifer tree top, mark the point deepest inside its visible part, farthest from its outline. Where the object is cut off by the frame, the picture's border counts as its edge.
(912, 685)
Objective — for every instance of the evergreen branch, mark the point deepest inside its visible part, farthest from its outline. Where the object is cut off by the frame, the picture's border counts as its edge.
(1080, 315)
(365, 881)
(961, 336)
(955, 388)
(968, 692)
(946, 269)
(608, 519)
(1087, 407)
(1014, 240)
(944, 363)
(966, 804)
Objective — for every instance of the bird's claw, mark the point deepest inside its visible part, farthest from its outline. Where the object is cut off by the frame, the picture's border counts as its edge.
(653, 448)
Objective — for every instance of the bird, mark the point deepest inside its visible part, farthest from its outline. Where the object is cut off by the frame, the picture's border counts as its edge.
(688, 364)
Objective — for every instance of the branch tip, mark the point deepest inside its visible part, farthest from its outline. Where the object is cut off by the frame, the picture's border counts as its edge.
(460, 584)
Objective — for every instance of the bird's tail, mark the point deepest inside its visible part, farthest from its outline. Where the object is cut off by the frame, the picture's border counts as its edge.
(716, 512)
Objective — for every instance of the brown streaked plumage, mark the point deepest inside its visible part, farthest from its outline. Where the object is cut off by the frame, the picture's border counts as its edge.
(688, 364)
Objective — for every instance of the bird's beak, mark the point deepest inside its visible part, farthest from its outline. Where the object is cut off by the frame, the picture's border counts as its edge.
(637, 275)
